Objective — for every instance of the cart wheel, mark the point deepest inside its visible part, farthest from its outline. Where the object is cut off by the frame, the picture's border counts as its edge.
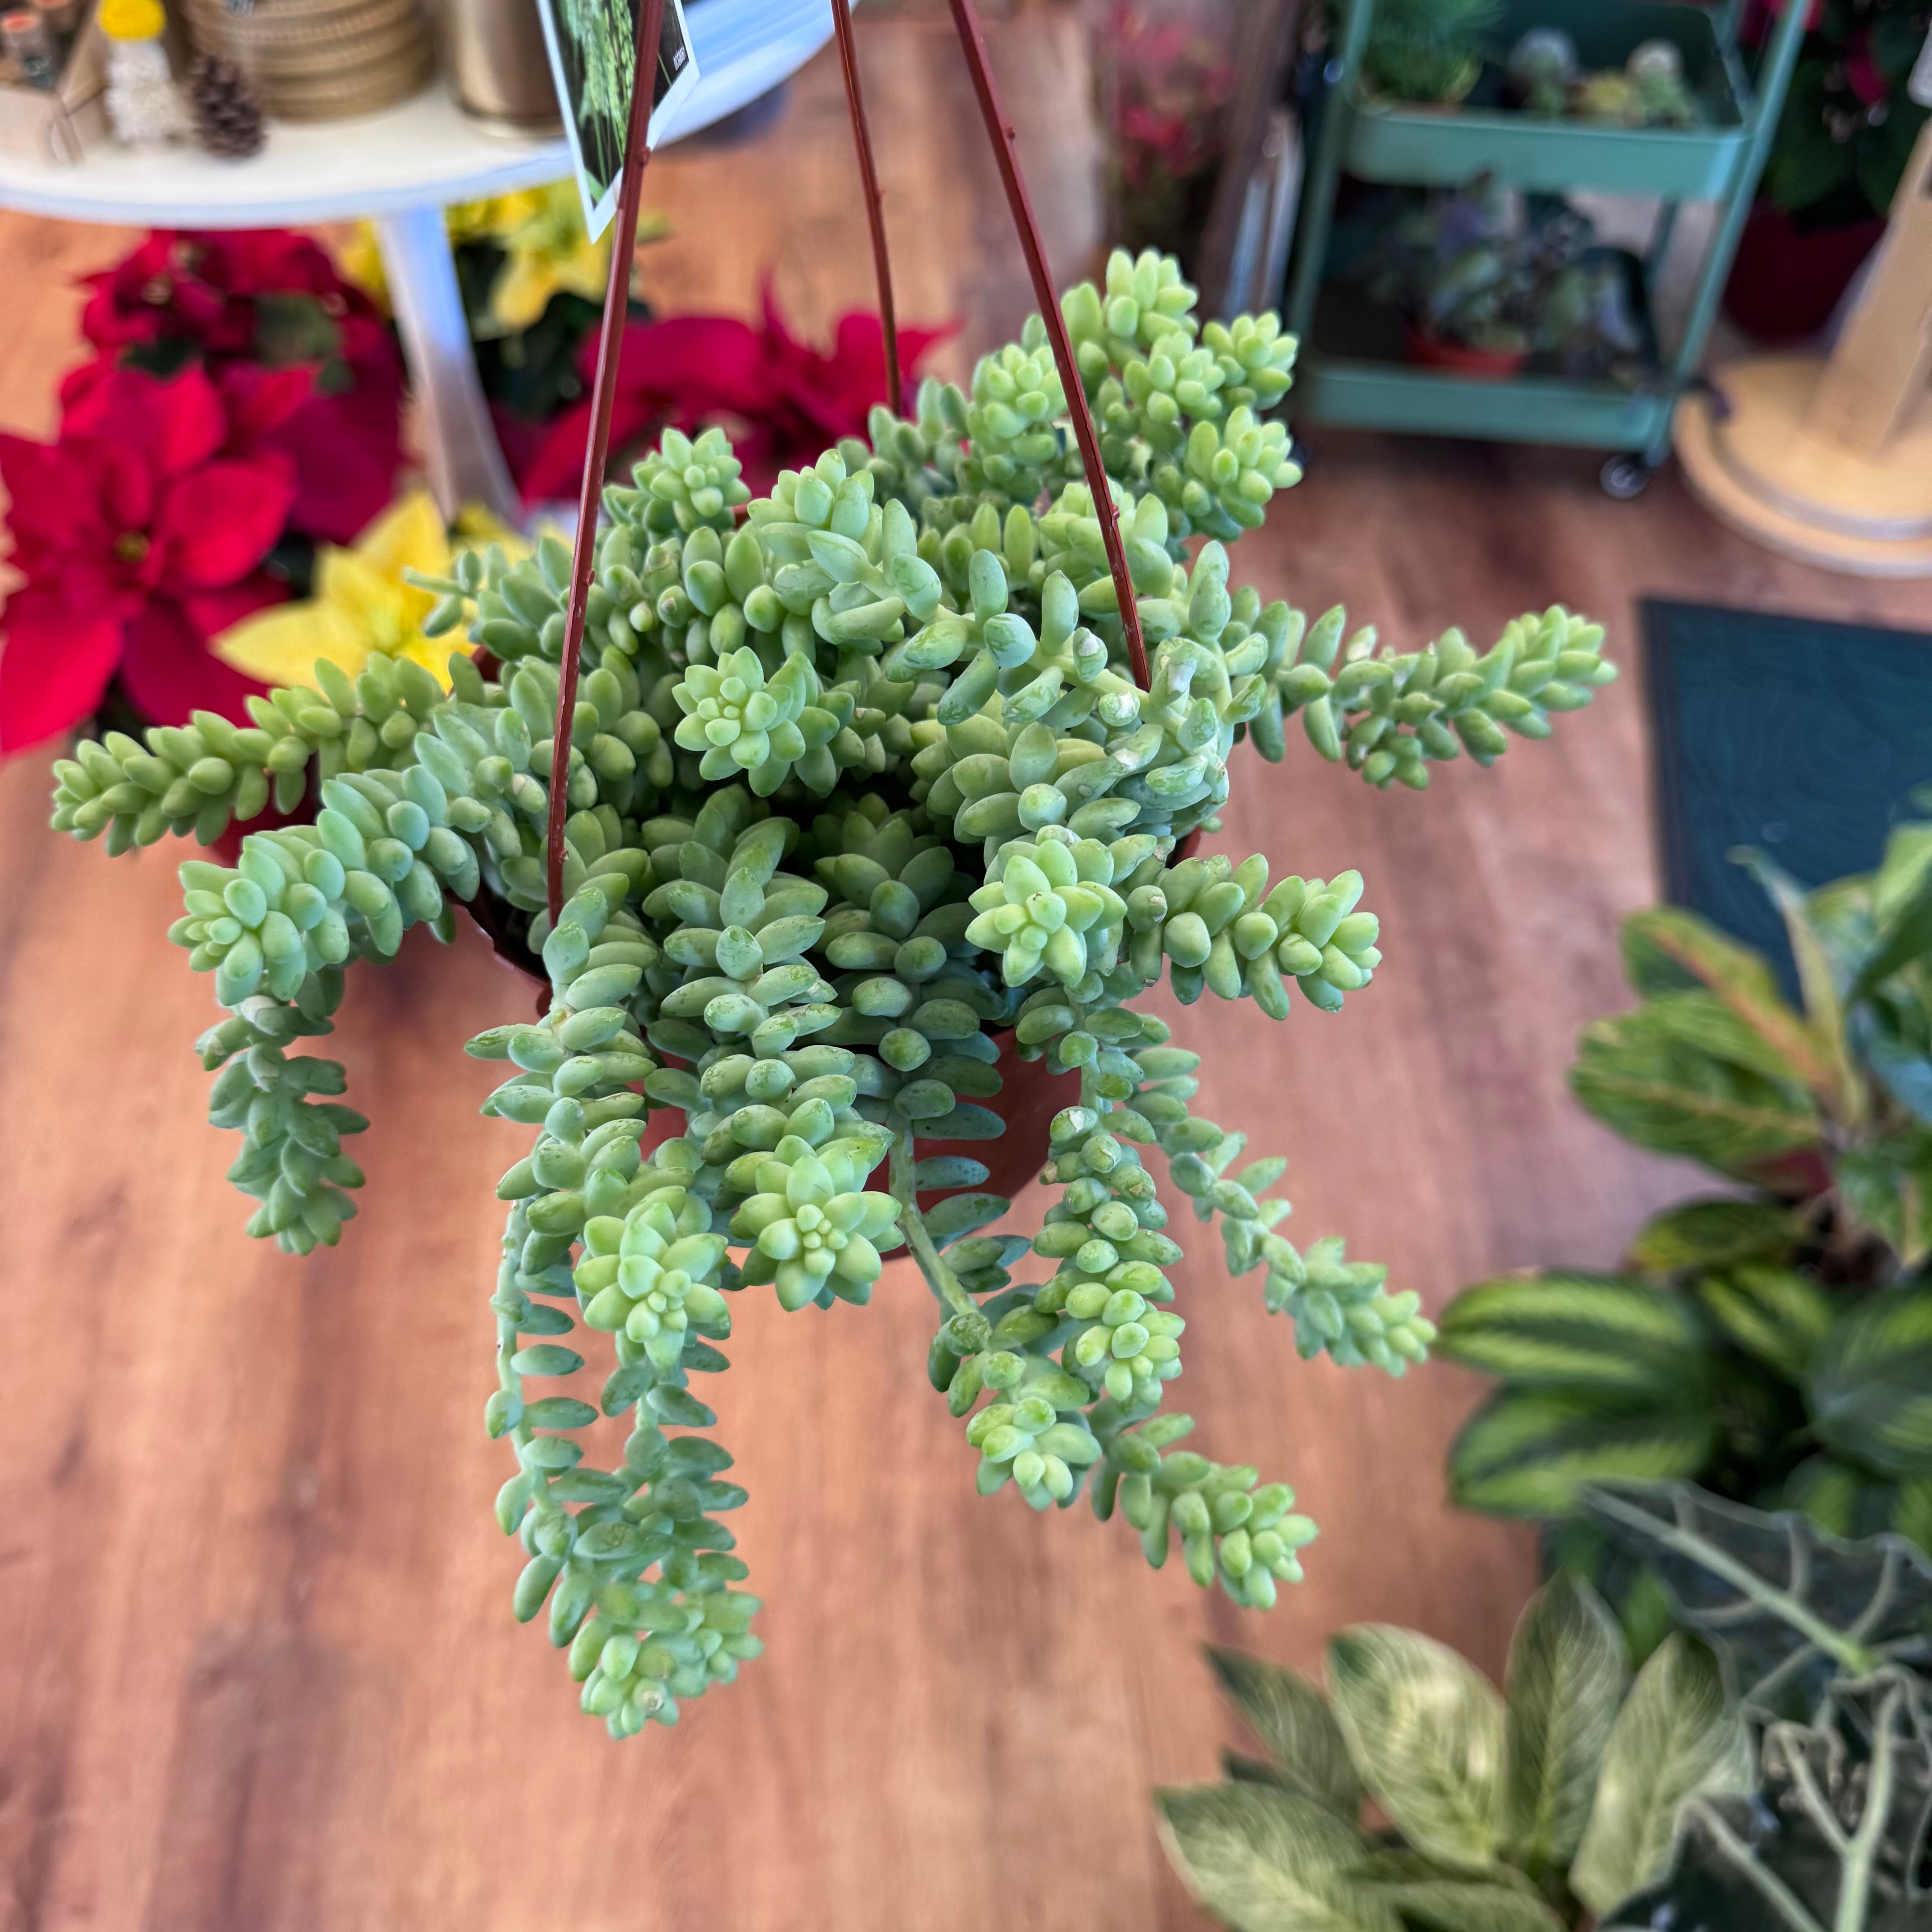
(1625, 477)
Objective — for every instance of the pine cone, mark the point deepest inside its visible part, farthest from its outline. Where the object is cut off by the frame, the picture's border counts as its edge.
(227, 117)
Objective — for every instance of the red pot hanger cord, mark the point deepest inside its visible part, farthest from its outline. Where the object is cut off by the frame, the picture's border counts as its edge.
(610, 342)
(862, 139)
(616, 302)
(1000, 130)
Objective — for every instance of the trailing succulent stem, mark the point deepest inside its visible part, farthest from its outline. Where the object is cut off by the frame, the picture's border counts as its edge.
(862, 802)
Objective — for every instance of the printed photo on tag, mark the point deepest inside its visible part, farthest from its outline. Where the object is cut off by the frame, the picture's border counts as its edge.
(593, 57)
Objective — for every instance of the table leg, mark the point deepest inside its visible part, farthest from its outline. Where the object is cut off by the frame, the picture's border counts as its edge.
(465, 465)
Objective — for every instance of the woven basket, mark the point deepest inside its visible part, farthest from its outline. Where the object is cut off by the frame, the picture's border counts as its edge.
(320, 60)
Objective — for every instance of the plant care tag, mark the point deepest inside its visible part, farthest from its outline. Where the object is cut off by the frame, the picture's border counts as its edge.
(593, 59)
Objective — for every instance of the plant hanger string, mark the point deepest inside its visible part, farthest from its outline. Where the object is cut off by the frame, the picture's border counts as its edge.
(1005, 156)
(604, 393)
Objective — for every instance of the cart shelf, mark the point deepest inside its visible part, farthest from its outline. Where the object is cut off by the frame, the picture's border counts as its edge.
(1718, 160)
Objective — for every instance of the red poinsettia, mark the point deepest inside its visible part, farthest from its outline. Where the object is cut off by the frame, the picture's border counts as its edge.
(782, 402)
(140, 533)
(259, 300)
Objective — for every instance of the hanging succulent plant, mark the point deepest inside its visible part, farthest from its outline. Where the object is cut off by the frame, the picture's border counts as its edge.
(864, 805)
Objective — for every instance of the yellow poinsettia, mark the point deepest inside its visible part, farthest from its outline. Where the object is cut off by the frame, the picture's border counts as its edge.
(362, 605)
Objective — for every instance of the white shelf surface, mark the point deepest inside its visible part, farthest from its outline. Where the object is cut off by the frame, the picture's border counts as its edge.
(425, 153)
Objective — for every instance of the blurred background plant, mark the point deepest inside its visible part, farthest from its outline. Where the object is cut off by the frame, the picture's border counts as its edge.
(1485, 269)
(1773, 1343)
(1429, 50)
(1165, 78)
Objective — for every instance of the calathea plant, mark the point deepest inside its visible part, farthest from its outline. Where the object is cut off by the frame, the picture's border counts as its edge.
(1784, 1785)
(1774, 1345)
(864, 805)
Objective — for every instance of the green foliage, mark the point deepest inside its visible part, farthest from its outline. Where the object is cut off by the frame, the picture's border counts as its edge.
(1509, 1814)
(860, 796)
(1429, 50)
(1848, 124)
(1785, 1782)
(1825, 1645)
(1775, 1346)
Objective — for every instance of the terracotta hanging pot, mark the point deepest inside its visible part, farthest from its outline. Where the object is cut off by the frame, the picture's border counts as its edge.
(1474, 364)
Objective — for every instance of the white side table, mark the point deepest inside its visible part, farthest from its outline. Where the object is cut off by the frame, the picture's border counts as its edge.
(401, 168)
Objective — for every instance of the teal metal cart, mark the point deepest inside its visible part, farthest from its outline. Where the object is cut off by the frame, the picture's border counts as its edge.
(1347, 379)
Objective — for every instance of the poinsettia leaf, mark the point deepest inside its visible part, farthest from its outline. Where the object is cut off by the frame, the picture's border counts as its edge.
(1567, 1329)
(1640, 1078)
(1675, 1736)
(1563, 1683)
(1741, 978)
(1870, 1388)
(1784, 1857)
(1267, 1861)
(1439, 1898)
(1786, 1606)
(1776, 1315)
(1711, 1234)
(1425, 1728)
(1531, 1452)
(1291, 1716)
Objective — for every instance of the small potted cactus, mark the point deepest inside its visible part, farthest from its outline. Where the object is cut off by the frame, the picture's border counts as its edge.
(871, 821)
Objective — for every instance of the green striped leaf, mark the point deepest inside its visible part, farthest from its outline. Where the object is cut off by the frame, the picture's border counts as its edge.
(1641, 1077)
(1775, 1315)
(1674, 1738)
(1291, 1716)
(1577, 1331)
(1425, 1728)
(1715, 1233)
(1888, 1188)
(1841, 1497)
(1563, 1684)
(1664, 937)
(1437, 1898)
(1262, 1860)
(1528, 1452)
(1870, 1391)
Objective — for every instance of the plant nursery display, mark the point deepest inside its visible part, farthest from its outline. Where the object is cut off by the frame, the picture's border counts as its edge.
(1784, 1784)
(872, 815)
(1774, 1343)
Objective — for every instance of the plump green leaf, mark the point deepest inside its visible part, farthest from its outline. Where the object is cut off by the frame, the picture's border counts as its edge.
(1563, 1682)
(1713, 1233)
(1438, 1898)
(1776, 1315)
(1870, 1390)
(1674, 1736)
(1741, 979)
(1530, 1452)
(1638, 1076)
(1564, 1329)
(1263, 1860)
(1291, 1716)
(1425, 1728)
(1785, 1606)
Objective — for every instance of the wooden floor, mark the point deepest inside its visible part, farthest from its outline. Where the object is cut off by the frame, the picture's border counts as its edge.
(257, 1668)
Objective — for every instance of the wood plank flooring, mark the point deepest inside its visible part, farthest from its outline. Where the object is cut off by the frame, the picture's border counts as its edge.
(258, 1672)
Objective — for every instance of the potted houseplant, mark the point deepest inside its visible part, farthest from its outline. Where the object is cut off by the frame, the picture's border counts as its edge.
(1773, 1342)
(1781, 1784)
(871, 812)
(1428, 53)
(1486, 280)
(1843, 138)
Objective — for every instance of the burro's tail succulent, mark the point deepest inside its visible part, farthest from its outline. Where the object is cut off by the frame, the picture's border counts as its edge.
(862, 801)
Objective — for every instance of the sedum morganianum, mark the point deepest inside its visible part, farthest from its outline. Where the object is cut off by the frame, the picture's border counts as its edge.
(859, 779)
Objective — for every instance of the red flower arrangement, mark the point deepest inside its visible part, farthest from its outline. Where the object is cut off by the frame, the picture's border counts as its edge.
(141, 533)
(251, 305)
(782, 401)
